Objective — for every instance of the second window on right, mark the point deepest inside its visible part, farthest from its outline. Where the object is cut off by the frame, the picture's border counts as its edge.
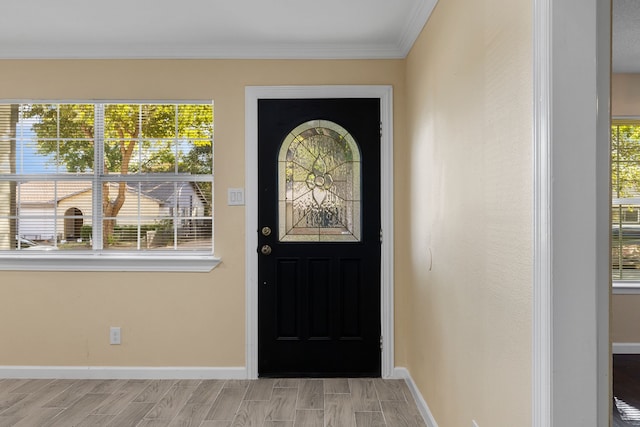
(625, 200)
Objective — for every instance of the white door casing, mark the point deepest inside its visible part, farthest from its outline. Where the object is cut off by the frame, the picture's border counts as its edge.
(252, 95)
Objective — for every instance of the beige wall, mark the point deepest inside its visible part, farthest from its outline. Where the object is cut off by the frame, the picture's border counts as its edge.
(625, 309)
(462, 105)
(625, 95)
(625, 319)
(167, 319)
(468, 195)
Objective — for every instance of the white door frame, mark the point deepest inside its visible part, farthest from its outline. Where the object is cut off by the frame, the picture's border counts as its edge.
(571, 284)
(252, 94)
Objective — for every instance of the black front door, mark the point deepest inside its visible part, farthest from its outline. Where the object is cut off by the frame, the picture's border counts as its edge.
(319, 237)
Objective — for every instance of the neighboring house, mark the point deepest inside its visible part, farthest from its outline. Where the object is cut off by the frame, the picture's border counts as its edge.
(48, 209)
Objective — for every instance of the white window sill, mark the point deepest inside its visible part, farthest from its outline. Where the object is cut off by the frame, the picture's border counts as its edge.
(626, 288)
(108, 262)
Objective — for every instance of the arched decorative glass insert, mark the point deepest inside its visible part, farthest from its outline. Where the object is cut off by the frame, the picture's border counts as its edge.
(319, 184)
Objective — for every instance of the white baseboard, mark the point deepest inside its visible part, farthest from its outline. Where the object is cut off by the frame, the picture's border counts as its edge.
(122, 372)
(625, 348)
(403, 373)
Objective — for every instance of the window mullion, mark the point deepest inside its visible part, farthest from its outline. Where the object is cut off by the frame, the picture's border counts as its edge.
(56, 231)
(138, 184)
(98, 175)
(176, 169)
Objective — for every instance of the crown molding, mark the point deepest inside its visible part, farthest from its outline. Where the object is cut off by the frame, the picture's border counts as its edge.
(257, 51)
(419, 17)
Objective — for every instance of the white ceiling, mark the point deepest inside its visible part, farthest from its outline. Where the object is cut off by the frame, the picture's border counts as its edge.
(241, 29)
(626, 36)
(210, 28)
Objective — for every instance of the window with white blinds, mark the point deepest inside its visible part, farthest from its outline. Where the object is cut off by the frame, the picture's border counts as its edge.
(625, 200)
(105, 178)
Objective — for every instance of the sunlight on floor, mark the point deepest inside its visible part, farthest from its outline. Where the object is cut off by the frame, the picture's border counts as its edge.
(628, 413)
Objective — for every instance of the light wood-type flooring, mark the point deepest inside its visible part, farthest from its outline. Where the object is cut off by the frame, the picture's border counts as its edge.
(207, 403)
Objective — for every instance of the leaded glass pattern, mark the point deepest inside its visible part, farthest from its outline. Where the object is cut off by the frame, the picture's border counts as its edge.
(319, 184)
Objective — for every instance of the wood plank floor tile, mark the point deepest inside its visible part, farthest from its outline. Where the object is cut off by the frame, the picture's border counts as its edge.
(191, 415)
(213, 423)
(109, 386)
(154, 391)
(7, 400)
(226, 405)
(236, 383)
(77, 411)
(74, 392)
(30, 386)
(131, 415)
(260, 389)
(11, 383)
(153, 423)
(35, 400)
(286, 383)
(364, 396)
(282, 406)
(400, 414)
(309, 418)
(94, 420)
(251, 414)
(407, 391)
(389, 389)
(12, 421)
(119, 399)
(338, 411)
(35, 417)
(206, 392)
(336, 386)
(98, 385)
(278, 424)
(171, 403)
(188, 383)
(370, 419)
(311, 394)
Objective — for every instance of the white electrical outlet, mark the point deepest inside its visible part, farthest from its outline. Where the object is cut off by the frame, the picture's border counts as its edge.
(114, 335)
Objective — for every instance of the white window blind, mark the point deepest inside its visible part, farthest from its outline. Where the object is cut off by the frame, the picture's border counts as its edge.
(105, 178)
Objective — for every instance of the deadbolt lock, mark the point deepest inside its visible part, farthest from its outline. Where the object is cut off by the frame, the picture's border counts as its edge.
(266, 231)
(265, 250)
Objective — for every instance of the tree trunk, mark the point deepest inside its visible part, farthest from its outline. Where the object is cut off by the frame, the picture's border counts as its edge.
(110, 208)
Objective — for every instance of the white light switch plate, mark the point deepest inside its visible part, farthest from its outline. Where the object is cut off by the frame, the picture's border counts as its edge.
(235, 196)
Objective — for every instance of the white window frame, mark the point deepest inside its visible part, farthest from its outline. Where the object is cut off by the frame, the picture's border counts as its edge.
(197, 261)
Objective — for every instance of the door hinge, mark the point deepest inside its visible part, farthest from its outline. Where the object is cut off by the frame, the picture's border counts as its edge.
(381, 235)
(381, 343)
(380, 129)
